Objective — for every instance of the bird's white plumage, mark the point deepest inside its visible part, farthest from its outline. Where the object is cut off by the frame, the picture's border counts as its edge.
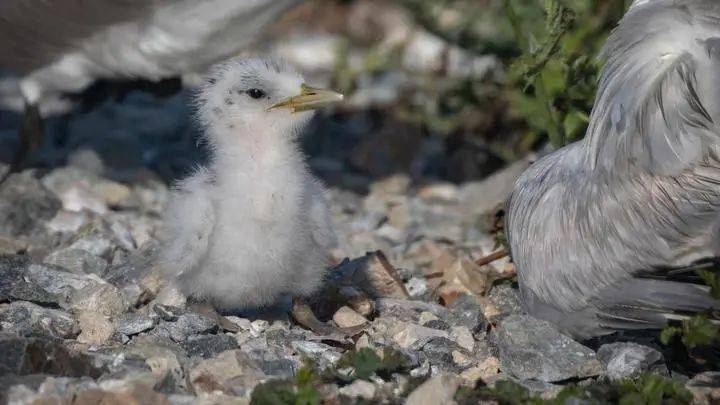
(254, 224)
(169, 38)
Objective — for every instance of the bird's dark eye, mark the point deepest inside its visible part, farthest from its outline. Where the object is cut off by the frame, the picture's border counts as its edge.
(256, 93)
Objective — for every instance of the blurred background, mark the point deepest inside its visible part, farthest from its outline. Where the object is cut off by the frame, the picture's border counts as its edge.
(439, 90)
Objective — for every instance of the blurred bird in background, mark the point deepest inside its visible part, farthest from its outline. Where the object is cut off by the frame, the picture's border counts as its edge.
(57, 47)
(606, 233)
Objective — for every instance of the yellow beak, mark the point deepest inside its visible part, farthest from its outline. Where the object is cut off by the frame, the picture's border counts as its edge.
(309, 98)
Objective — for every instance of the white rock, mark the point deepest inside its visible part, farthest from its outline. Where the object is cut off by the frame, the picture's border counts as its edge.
(463, 337)
(345, 317)
(359, 389)
(412, 333)
(437, 390)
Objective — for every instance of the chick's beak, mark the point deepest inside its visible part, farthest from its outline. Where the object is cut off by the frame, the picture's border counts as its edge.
(309, 98)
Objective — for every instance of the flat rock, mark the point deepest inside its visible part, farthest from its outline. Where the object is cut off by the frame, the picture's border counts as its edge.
(231, 372)
(629, 360)
(25, 318)
(77, 261)
(190, 324)
(207, 346)
(466, 311)
(531, 349)
(36, 355)
(437, 390)
(130, 324)
(25, 204)
(345, 317)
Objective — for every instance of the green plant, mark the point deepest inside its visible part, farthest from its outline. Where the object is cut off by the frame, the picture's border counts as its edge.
(366, 362)
(647, 389)
(300, 391)
(555, 76)
(694, 332)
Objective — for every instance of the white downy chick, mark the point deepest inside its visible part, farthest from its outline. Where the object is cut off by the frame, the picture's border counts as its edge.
(254, 224)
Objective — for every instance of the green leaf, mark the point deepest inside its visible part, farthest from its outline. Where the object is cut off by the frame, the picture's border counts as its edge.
(711, 278)
(667, 335)
(700, 331)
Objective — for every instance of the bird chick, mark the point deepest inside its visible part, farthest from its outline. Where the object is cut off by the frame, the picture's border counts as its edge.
(254, 223)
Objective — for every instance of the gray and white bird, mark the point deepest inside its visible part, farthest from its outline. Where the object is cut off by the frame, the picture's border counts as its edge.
(254, 224)
(52, 48)
(604, 232)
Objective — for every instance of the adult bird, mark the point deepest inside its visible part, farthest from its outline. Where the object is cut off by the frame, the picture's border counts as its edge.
(56, 47)
(605, 232)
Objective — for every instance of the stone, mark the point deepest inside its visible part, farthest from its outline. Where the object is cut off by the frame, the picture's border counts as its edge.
(47, 284)
(77, 261)
(416, 287)
(502, 301)
(463, 337)
(96, 328)
(359, 389)
(408, 310)
(190, 324)
(130, 324)
(437, 390)
(531, 349)
(484, 371)
(231, 372)
(411, 335)
(426, 317)
(25, 318)
(35, 355)
(102, 298)
(207, 346)
(705, 388)
(467, 312)
(629, 360)
(345, 317)
(25, 205)
(81, 190)
(439, 351)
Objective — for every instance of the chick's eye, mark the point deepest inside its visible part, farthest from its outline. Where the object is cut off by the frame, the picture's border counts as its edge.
(256, 93)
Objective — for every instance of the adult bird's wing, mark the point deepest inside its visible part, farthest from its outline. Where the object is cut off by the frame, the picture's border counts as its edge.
(34, 33)
(658, 94)
(189, 223)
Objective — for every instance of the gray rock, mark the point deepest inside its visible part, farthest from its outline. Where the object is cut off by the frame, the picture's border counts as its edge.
(629, 360)
(12, 269)
(190, 324)
(705, 388)
(47, 284)
(437, 390)
(505, 299)
(77, 261)
(408, 310)
(131, 324)
(25, 318)
(207, 346)
(19, 355)
(466, 311)
(168, 313)
(439, 352)
(532, 349)
(25, 205)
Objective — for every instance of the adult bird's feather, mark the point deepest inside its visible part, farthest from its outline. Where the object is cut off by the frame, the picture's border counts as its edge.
(641, 193)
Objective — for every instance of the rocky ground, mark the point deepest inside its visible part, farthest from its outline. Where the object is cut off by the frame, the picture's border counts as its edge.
(85, 317)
